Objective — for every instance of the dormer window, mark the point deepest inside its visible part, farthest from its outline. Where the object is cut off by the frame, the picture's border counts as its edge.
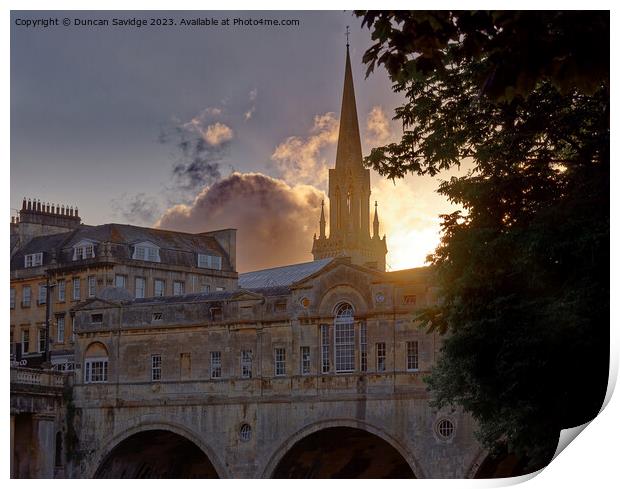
(146, 252)
(209, 261)
(33, 260)
(83, 250)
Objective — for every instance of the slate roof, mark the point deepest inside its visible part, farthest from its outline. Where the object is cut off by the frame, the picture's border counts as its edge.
(176, 248)
(280, 276)
(419, 274)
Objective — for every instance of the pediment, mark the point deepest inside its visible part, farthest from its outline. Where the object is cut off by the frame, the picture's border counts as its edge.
(94, 303)
(336, 267)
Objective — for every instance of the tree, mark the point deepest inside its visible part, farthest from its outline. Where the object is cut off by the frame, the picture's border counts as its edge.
(523, 268)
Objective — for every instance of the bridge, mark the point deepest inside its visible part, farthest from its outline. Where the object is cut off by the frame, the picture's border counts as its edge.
(37, 422)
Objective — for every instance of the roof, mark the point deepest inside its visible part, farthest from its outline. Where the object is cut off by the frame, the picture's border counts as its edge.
(176, 248)
(281, 276)
(419, 274)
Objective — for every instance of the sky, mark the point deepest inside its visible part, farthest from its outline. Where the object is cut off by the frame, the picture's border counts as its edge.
(195, 128)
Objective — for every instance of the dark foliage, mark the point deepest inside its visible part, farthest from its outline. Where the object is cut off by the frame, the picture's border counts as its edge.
(524, 266)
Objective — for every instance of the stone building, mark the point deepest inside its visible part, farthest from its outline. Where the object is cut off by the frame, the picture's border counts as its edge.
(308, 370)
(51, 247)
(323, 352)
(349, 195)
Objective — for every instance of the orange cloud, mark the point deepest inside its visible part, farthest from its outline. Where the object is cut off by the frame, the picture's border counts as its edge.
(378, 131)
(300, 159)
(217, 133)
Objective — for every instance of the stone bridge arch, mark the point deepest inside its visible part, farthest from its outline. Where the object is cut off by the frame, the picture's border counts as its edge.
(308, 430)
(139, 427)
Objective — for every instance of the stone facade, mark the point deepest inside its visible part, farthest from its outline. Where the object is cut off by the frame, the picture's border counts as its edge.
(282, 405)
(43, 254)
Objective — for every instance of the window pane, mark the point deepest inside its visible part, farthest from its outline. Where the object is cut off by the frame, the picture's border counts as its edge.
(344, 339)
(76, 289)
(380, 357)
(140, 286)
(363, 348)
(60, 329)
(92, 286)
(120, 281)
(178, 288)
(305, 360)
(412, 355)
(246, 364)
(61, 290)
(324, 348)
(155, 367)
(159, 288)
(280, 361)
(42, 294)
(216, 364)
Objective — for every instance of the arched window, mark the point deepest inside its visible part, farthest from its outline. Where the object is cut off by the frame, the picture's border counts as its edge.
(96, 364)
(344, 338)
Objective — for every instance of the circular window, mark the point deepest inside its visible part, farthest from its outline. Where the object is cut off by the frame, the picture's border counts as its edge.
(380, 297)
(445, 429)
(245, 433)
(305, 302)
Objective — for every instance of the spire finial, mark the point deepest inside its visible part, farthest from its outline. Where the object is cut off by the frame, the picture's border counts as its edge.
(347, 32)
(375, 223)
(322, 221)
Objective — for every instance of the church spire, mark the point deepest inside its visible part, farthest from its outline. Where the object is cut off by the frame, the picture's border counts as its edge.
(322, 221)
(375, 223)
(349, 146)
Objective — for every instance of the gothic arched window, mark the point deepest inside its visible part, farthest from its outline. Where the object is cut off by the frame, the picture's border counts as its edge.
(338, 209)
(344, 338)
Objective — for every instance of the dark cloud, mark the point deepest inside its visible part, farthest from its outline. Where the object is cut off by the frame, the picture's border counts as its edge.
(139, 208)
(275, 221)
(202, 147)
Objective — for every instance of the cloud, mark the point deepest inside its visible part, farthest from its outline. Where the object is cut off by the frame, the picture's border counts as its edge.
(138, 208)
(252, 96)
(275, 221)
(217, 133)
(378, 131)
(301, 159)
(202, 143)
